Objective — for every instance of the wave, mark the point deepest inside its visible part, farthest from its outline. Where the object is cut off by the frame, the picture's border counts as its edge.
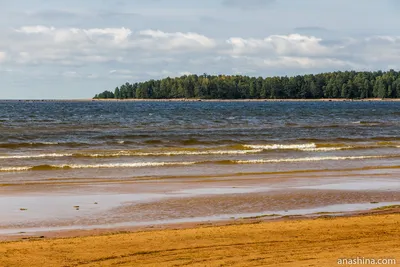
(39, 144)
(22, 145)
(194, 142)
(323, 147)
(261, 161)
(134, 153)
(312, 147)
(369, 123)
(186, 163)
(94, 166)
(282, 147)
(52, 155)
(350, 139)
(172, 153)
(228, 150)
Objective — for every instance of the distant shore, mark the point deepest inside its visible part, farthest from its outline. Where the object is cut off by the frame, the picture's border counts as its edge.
(205, 100)
(247, 100)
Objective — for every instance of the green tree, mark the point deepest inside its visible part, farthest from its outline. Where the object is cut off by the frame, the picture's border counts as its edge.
(348, 84)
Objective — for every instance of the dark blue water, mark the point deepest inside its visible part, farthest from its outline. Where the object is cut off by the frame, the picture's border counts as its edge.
(64, 136)
(180, 123)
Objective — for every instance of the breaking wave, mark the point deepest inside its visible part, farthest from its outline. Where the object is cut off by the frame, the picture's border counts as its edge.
(165, 164)
(94, 166)
(134, 153)
(228, 150)
(261, 161)
(311, 147)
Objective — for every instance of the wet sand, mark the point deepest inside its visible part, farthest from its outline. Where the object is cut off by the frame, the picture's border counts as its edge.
(305, 242)
(60, 205)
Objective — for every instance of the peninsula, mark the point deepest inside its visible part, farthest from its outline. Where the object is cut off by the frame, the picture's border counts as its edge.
(333, 85)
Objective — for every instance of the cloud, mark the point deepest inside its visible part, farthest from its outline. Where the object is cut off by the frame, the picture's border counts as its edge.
(123, 74)
(3, 56)
(118, 35)
(300, 52)
(293, 44)
(43, 44)
(39, 29)
(125, 54)
(177, 40)
(248, 4)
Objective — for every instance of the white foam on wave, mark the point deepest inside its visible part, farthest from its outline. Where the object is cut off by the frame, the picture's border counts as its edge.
(176, 153)
(325, 149)
(283, 147)
(261, 161)
(15, 169)
(125, 165)
(162, 164)
(138, 154)
(311, 147)
(96, 166)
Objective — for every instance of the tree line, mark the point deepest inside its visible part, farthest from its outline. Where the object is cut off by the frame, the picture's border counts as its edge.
(348, 84)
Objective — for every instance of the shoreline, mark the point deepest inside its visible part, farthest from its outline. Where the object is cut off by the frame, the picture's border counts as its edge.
(381, 210)
(205, 100)
(155, 202)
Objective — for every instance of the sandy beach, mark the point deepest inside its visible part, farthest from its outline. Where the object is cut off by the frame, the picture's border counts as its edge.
(291, 242)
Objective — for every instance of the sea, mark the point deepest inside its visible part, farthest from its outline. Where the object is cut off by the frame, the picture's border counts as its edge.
(50, 140)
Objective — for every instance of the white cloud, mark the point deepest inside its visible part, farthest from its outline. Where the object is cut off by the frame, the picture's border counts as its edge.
(293, 44)
(39, 29)
(63, 35)
(73, 46)
(247, 46)
(177, 40)
(297, 44)
(155, 53)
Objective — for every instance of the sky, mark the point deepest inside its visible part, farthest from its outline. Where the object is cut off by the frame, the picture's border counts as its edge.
(54, 49)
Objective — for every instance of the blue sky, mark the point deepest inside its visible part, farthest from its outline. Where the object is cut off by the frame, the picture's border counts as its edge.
(74, 49)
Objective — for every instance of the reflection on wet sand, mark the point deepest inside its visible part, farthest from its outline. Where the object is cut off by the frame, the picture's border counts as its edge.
(52, 206)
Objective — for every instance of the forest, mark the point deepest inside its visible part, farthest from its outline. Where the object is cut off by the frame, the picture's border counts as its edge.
(348, 84)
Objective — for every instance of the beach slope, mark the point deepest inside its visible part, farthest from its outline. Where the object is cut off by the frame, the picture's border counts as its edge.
(306, 242)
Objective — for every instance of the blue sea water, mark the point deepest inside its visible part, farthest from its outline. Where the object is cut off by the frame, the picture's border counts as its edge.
(153, 138)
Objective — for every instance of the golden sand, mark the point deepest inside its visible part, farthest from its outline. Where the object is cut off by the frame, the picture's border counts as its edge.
(311, 242)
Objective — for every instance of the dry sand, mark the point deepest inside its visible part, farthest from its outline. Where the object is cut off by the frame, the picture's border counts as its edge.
(306, 242)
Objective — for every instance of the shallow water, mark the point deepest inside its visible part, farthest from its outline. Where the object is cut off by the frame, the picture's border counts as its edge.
(332, 209)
